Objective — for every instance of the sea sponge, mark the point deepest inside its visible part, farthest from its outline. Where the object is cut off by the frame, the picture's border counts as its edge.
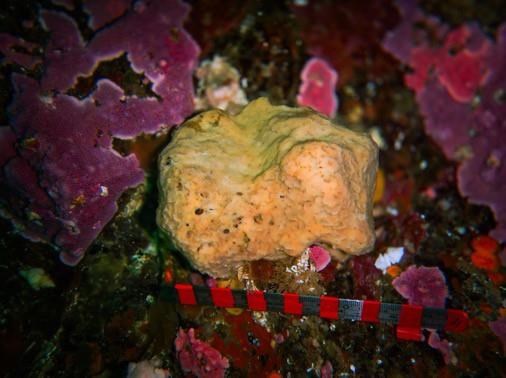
(265, 184)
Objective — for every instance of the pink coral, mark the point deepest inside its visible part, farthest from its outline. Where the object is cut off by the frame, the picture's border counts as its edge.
(461, 71)
(317, 90)
(440, 344)
(462, 74)
(198, 357)
(103, 12)
(11, 48)
(365, 275)
(459, 77)
(60, 175)
(326, 370)
(424, 286)
(319, 256)
(498, 327)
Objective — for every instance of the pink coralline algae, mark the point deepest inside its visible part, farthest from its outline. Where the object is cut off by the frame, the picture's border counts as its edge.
(103, 12)
(152, 37)
(318, 87)
(326, 370)
(440, 344)
(10, 48)
(365, 277)
(423, 286)
(461, 71)
(60, 176)
(459, 77)
(498, 327)
(319, 256)
(199, 358)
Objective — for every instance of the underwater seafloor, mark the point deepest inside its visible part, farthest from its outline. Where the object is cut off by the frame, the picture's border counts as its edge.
(427, 80)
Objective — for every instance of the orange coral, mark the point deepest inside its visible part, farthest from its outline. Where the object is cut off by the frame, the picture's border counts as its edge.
(496, 277)
(168, 277)
(484, 244)
(485, 257)
(394, 270)
(485, 261)
(274, 374)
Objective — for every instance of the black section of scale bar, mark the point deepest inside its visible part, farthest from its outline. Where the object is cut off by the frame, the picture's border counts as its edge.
(310, 304)
(203, 295)
(434, 318)
(169, 294)
(275, 302)
(389, 313)
(240, 299)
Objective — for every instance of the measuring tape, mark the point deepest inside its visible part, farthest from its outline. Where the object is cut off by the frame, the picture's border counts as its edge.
(408, 319)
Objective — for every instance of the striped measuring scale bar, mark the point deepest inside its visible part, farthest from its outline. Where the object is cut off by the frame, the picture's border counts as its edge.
(408, 319)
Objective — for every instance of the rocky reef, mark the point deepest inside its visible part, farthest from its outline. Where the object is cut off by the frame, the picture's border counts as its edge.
(90, 91)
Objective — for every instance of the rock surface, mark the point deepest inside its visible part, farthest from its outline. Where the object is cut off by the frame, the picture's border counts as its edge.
(265, 184)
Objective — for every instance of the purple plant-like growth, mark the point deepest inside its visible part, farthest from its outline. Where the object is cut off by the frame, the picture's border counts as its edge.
(459, 77)
(60, 176)
(423, 286)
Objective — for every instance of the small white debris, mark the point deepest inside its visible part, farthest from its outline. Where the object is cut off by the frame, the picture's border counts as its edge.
(47, 101)
(399, 141)
(150, 299)
(375, 134)
(392, 211)
(103, 190)
(392, 256)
